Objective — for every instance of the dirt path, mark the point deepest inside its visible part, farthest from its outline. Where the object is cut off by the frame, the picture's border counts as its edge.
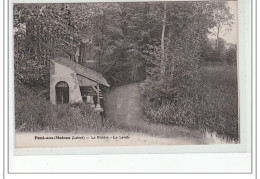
(123, 107)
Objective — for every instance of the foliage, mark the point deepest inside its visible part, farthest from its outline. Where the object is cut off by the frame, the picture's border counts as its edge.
(186, 30)
(231, 55)
(34, 113)
(125, 39)
(223, 19)
(45, 31)
(215, 108)
(218, 108)
(118, 35)
(224, 52)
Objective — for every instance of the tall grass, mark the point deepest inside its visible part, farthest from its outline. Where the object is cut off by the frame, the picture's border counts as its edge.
(34, 113)
(218, 109)
(171, 113)
(213, 106)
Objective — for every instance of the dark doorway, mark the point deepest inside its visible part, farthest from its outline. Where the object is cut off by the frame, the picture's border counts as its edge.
(62, 92)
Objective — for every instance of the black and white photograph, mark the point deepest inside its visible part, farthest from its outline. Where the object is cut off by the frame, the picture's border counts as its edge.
(125, 74)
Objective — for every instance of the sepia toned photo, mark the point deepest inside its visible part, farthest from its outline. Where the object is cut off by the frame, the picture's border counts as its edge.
(125, 74)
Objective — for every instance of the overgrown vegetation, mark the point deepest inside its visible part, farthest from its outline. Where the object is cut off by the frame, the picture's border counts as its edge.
(34, 113)
(218, 108)
(162, 45)
(223, 53)
(212, 107)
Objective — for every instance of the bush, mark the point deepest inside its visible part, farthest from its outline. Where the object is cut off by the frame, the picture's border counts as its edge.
(170, 114)
(34, 113)
(218, 108)
(172, 99)
(210, 104)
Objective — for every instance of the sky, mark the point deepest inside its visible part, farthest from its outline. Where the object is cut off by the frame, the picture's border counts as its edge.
(232, 35)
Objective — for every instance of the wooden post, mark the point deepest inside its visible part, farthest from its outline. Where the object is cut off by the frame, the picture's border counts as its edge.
(98, 100)
(98, 107)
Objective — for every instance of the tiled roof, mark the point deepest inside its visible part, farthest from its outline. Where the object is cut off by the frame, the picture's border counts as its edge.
(82, 70)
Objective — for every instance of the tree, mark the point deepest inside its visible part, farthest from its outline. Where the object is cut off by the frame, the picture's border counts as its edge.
(231, 55)
(187, 29)
(124, 38)
(162, 41)
(223, 19)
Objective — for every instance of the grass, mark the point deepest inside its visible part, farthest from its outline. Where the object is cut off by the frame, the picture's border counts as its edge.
(215, 109)
(218, 109)
(213, 106)
(33, 112)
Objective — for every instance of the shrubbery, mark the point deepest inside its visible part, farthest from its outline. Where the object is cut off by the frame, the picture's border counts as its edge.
(171, 114)
(224, 53)
(218, 109)
(211, 105)
(172, 98)
(129, 44)
(34, 113)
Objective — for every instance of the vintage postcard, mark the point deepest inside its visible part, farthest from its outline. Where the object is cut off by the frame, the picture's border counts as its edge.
(97, 74)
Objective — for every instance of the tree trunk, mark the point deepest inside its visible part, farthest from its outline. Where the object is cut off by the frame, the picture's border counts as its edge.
(162, 43)
(217, 41)
(82, 52)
